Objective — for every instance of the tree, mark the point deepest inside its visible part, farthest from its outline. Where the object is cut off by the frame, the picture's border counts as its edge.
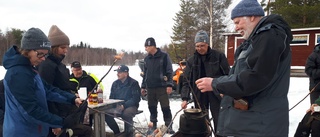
(298, 13)
(184, 30)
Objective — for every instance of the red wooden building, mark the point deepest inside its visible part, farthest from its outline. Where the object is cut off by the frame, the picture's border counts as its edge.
(304, 40)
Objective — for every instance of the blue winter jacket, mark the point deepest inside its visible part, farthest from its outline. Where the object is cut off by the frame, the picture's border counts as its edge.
(26, 96)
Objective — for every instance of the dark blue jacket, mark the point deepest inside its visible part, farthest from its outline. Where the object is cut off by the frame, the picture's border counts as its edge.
(26, 96)
(129, 91)
(157, 70)
(261, 75)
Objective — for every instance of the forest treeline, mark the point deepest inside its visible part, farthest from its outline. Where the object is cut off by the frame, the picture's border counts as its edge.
(194, 15)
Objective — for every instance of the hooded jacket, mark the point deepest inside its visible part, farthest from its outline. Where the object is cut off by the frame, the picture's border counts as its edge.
(26, 96)
(261, 75)
(312, 69)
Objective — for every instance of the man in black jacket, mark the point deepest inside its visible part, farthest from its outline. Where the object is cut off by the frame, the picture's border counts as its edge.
(157, 81)
(312, 69)
(205, 62)
(127, 89)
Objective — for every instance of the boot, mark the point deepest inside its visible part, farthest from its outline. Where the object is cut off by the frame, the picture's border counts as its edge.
(152, 128)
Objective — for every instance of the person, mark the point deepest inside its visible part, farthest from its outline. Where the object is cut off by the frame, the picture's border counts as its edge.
(255, 101)
(310, 123)
(26, 94)
(80, 78)
(53, 71)
(157, 80)
(205, 62)
(178, 76)
(2, 107)
(312, 69)
(127, 89)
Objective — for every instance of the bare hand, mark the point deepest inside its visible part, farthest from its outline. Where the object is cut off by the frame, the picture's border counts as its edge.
(184, 104)
(143, 92)
(169, 90)
(78, 101)
(312, 108)
(204, 84)
(56, 131)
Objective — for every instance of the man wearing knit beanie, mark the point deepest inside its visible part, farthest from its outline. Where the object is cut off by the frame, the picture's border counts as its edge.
(56, 73)
(205, 62)
(255, 102)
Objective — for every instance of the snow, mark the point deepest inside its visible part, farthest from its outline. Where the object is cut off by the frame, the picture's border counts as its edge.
(297, 91)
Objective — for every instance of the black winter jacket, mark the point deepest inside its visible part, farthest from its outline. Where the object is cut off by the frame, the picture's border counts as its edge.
(129, 91)
(84, 81)
(261, 75)
(215, 65)
(312, 68)
(157, 70)
(57, 74)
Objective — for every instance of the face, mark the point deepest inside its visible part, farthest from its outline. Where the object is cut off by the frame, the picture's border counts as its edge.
(77, 72)
(37, 56)
(122, 75)
(201, 47)
(244, 25)
(63, 49)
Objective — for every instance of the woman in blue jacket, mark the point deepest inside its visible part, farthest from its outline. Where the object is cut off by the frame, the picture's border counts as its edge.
(26, 94)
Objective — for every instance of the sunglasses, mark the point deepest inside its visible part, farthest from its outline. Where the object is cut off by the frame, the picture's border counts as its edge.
(41, 54)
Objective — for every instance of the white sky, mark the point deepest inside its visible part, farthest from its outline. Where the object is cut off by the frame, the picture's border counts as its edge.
(122, 25)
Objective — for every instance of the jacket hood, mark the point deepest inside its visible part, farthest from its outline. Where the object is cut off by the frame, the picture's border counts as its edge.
(13, 58)
(277, 21)
(316, 48)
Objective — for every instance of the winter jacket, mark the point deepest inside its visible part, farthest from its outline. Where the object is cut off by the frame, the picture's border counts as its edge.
(157, 70)
(129, 91)
(312, 69)
(84, 81)
(26, 96)
(215, 64)
(57, 74)
(260, 75)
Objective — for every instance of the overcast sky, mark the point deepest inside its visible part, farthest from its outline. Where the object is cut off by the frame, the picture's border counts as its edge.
(118, 24)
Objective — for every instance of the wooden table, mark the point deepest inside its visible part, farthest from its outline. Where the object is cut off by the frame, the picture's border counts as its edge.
(99, 118)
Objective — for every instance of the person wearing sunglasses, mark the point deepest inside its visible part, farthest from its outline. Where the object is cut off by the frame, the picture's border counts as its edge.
(26, 94)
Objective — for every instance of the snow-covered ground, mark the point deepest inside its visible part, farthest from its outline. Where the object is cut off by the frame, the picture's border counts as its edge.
(298, 90)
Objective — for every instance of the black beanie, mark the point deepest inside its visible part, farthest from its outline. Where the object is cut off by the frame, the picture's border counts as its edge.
(150, 42)
(34, 39)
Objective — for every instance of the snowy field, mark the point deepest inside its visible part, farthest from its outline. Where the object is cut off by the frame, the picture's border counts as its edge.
(298, 90)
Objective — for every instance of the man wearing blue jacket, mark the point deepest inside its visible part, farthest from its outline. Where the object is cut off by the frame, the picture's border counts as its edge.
(26, 94)
(255, 102)
(127, 89)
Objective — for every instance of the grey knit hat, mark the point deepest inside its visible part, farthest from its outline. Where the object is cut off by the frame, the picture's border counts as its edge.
(247, 8)
(201, 36)
(58, 37)
(34, 39)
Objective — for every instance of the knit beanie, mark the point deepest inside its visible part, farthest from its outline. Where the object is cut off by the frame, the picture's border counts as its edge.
(34, 39)
(150, 42)
(201, 36)
(57, 37)
(247, 8)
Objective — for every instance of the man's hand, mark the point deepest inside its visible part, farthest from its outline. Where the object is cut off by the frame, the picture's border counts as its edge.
(143, 92)
(184, 104)
(169, 90)
(78, 101)
(56, 131)
(312, 108)
(204, 84)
